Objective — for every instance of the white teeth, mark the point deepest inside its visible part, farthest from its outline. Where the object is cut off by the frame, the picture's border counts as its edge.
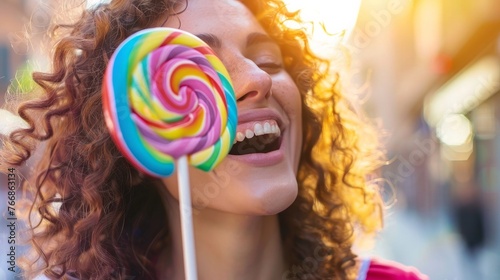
(267, 128)
(240, 136)
(258, 129)
(275, 129)
(249, 134)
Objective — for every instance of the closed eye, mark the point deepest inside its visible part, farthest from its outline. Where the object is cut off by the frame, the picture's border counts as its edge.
(271, 67)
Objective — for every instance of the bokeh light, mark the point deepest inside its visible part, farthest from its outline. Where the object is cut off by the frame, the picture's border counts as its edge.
(454, 130)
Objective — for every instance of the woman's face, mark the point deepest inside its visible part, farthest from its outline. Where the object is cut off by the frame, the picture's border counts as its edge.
(258, 177)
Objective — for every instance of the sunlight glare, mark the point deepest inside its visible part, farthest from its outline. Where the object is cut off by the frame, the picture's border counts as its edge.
(91, 3)
(337, 16)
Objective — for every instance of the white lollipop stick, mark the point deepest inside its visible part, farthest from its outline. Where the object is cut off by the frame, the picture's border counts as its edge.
(186, 219)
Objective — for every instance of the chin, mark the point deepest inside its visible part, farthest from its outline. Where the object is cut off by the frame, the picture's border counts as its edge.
(278, 199)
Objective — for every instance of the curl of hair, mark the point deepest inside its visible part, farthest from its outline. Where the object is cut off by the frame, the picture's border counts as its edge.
(100, 221)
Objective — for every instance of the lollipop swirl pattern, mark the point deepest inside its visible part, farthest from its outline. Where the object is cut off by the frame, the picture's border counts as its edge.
(167, 95)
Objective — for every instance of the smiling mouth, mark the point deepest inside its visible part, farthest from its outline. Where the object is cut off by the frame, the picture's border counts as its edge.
(265, 137)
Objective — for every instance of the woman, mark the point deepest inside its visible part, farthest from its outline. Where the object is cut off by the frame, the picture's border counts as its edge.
(288, 210)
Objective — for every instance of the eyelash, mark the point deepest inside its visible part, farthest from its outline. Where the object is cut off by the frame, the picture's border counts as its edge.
(271, 65)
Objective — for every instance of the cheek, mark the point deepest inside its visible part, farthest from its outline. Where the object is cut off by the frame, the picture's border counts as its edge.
(289, 98)
(171, 185)
(290, 101)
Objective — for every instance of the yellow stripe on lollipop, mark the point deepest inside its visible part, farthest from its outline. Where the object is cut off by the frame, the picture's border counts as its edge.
(189, 130)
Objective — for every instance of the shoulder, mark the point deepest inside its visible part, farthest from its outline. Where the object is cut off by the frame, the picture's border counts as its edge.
(379, 269)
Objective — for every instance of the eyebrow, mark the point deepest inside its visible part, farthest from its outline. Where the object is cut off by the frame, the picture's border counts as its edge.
(213, 41)
(252, 39)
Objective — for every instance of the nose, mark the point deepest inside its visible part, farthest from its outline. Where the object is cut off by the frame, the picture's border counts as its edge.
(251, 83)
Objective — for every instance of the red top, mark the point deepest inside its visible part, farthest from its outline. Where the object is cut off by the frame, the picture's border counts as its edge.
(377, 269)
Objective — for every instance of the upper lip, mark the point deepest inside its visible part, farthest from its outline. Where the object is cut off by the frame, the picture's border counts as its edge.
(260, 115)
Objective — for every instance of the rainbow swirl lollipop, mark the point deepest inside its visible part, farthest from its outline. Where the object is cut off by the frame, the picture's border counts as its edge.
(166, 95)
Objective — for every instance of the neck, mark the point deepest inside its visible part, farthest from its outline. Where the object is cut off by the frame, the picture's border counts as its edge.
(228, 246)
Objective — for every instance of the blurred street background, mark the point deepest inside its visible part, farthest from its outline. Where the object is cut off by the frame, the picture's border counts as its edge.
(429, 72)
(433, 69)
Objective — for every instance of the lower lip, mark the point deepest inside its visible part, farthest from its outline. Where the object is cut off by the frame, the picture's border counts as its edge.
(263, 159)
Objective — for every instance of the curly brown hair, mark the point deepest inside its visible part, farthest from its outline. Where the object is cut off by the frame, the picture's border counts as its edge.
(102, 200)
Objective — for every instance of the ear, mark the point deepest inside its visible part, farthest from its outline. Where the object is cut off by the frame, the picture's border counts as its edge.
(10, 122)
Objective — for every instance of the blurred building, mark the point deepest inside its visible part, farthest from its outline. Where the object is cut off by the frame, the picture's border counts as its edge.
(14, 16)
(23, 26)
(434, 71)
